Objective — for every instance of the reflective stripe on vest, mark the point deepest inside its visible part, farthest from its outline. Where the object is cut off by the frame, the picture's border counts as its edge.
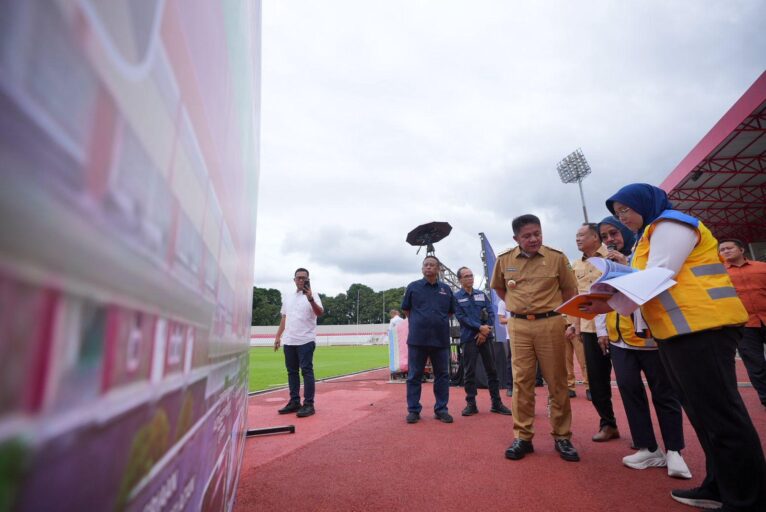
(675, 314)
(710, 269)
(703, 296)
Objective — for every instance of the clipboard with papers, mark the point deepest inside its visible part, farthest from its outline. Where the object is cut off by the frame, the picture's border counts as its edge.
(636, 287)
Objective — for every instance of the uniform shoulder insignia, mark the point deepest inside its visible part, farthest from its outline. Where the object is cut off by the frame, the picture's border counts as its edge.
(505, 251)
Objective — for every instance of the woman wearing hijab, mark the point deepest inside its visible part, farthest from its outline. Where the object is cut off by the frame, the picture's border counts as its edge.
(634, 353)
(697, 325)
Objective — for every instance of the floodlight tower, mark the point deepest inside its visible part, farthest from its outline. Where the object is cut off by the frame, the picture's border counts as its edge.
(574, 168)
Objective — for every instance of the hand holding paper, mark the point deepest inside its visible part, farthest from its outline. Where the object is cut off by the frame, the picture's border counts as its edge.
(636, 287)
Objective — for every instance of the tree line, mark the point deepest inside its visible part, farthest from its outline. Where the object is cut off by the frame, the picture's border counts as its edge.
(360, 304)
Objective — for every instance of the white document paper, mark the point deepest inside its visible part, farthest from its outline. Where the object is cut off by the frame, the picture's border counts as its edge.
(637, 287)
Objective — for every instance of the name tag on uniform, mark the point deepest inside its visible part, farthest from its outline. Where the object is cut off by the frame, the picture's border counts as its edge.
(463, 300)
(511, 269)
(442, 291)
(478, 297)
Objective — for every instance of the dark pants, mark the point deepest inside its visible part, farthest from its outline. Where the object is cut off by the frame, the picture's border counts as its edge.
(599, 379)
(470, 353)
(628, 365)
(300, 357)
(751, 350)
(700, 367)
(416, 361)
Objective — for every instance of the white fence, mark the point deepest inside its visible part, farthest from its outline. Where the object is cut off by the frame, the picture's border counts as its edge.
(365, 334)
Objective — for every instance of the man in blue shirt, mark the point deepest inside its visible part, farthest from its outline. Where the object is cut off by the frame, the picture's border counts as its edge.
(428, 305)
(476, 315)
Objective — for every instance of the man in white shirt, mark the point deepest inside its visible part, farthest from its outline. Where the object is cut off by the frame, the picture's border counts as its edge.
(297, 332)
(395, 319)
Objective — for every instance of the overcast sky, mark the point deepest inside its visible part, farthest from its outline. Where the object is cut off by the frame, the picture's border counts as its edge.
(378, 116)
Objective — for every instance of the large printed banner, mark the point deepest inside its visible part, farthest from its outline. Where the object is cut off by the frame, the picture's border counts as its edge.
(128, 177)
(397, 347)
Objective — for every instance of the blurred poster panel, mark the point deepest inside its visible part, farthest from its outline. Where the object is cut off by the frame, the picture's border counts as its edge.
(128, 180)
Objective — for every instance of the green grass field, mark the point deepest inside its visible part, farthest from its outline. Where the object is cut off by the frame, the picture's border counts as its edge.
(267, 368)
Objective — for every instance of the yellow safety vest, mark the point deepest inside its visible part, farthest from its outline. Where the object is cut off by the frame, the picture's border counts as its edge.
(620, 328)
(703, 298)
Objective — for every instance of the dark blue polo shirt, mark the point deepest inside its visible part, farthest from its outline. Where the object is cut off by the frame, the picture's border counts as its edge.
(429, 307)
(468, 312)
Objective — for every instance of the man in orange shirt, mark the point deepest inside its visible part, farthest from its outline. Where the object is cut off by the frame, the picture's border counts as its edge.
(749, 278)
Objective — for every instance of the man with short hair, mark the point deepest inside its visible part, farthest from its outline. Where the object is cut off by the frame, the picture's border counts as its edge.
(474, 311)
(297, 332)
(428, 304)
(593, 334)
(749, 278)
(534, 280)
(395, 319)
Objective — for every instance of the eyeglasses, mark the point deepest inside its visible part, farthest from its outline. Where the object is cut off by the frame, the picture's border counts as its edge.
(621, 212)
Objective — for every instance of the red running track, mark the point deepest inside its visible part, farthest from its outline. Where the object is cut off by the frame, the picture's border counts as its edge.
(358, 454)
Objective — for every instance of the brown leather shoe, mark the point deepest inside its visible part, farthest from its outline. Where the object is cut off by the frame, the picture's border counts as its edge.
(605, 434)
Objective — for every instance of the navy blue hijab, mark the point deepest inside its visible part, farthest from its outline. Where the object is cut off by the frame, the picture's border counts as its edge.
(646, 200)
(627, 235)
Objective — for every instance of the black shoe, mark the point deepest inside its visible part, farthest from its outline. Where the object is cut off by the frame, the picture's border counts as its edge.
(572, 393)
(697, 497)
(470, 410)
(587, 395)
(306, 410)
(290, 407)
(519, 449)
(500, 408)
(509, 392)
(444, 417)
(566, 450)
(413, 417)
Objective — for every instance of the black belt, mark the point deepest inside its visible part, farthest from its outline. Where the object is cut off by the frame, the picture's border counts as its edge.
(535, 316)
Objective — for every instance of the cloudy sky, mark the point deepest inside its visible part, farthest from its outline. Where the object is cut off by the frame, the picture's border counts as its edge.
(378, 116)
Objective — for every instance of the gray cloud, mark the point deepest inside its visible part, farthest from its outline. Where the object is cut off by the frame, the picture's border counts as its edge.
(379, 116)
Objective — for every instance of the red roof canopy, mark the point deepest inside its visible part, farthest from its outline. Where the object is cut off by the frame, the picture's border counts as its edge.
(722, 181)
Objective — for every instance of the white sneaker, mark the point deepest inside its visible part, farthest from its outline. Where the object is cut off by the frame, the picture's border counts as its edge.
(643, 459)
(677, 467)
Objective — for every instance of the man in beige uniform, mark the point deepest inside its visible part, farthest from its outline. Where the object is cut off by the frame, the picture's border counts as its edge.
(592, 334)
(533, 280)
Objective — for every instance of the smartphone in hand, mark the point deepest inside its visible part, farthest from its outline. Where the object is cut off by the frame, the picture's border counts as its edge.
(306, 285)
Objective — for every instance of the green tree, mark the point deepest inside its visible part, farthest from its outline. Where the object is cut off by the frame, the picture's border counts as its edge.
(335, 310)
(267, 303)
(373, 306)
(391, 299)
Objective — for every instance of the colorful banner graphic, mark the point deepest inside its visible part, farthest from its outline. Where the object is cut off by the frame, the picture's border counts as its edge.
(128, 181)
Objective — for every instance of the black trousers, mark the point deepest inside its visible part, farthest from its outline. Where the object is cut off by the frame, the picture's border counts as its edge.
(751, 350)
(628, 366)
(470, 352)
(700, 367)
(599, 379)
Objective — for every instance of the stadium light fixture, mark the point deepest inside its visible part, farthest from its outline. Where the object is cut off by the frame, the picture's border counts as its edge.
(573, 169)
